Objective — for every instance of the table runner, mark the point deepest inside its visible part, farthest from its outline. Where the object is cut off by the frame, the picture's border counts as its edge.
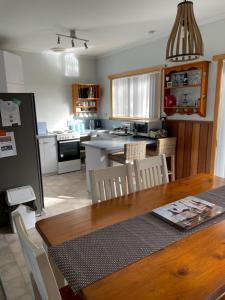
(91, 257)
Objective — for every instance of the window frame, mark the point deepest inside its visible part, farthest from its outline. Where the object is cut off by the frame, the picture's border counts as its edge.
(159, 69)
(220, 60)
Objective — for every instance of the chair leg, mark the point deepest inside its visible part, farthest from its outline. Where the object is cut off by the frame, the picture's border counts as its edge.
(173, 168)
(110, 163)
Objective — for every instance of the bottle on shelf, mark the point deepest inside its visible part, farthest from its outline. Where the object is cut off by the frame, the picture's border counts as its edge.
(185, 80)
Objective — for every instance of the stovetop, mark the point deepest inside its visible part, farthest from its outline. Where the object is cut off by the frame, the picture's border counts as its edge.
(68, 136)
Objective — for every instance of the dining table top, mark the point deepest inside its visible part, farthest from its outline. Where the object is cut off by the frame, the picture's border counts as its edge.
(191, 268)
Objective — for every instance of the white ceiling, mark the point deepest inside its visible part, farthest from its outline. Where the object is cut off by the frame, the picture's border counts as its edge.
(31, 25)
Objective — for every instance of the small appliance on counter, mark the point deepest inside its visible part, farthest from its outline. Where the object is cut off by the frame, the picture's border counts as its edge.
(76, 126)
(157, 133)
(95, 124)
(98, 124)
(141, 128)
(92, 124)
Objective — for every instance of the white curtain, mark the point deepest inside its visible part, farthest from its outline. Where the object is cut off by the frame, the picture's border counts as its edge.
(220, 155)
(136, 96)
(71, 64)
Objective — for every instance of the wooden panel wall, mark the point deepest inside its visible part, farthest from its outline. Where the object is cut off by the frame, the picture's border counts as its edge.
(194, 141)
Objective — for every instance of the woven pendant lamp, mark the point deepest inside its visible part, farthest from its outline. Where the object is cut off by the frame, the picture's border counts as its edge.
(185, 41)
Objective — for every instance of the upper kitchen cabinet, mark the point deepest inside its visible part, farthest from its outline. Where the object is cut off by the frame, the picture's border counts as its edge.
(185, 89)
(11, 73)
(85, 97)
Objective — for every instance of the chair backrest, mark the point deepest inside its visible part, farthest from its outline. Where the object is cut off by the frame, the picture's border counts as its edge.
(111, 182)
(166, 146)
(2, 291)
(134, 151)
(38, 263)
(150, 172)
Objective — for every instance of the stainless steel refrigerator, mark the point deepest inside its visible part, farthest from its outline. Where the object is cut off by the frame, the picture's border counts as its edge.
(24, 168)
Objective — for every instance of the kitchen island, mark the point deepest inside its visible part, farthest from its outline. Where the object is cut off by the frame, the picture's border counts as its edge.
(97, 151)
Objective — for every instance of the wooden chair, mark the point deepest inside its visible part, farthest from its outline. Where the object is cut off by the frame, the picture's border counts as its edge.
(111, 182)
(131, 152)
(150, 172)
(2, 291)
(42, 278)
(165, 146)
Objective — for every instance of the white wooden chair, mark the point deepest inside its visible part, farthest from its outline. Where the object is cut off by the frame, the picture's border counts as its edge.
(150, 172)
(111, 182)
(42, 277)
(2, 291)
(131, 152)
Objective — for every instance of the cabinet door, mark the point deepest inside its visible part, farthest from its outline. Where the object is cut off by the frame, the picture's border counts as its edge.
(50, 153)
(13, 68)
(42, 156)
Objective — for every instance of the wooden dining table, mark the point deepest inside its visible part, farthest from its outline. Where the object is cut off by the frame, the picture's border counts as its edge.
(192, 268)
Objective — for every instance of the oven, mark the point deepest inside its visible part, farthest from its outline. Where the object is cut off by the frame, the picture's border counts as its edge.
(68, 154)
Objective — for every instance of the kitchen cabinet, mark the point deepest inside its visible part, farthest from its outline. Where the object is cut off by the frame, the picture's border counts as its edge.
(48, 155)
(85, 98)
(185, 89)
(11, 73)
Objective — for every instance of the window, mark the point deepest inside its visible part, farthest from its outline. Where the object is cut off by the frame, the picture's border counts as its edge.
(136, 96)
(71, 65)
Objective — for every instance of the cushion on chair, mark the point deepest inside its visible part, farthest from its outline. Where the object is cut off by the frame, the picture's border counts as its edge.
(67, 294)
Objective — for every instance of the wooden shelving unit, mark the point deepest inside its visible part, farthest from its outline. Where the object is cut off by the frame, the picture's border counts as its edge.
(85, 97)
(185, 89)
(183, 86)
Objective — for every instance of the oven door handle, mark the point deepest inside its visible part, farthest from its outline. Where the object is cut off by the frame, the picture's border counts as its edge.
(69, 141)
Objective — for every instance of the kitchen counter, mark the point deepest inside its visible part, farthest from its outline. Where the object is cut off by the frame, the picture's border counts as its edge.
(42, 136)
(97, 151)
(85, 133)
(116, 143)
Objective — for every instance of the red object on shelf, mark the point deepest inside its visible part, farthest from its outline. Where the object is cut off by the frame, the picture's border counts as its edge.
(2, 132)
(170, 101)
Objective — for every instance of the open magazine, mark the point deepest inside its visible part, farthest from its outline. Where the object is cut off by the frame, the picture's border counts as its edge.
(188, 212)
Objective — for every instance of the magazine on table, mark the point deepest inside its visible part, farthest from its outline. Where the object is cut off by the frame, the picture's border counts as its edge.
(188, 212)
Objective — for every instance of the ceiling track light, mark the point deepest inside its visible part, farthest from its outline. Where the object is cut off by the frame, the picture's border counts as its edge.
(72, 37)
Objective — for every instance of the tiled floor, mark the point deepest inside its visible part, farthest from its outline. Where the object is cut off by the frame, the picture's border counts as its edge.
(62, 193)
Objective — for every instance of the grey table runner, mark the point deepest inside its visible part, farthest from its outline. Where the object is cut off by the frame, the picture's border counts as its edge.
(89, 258)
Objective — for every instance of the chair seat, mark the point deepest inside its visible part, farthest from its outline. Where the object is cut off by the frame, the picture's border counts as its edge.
(67, 294)
(118, 157)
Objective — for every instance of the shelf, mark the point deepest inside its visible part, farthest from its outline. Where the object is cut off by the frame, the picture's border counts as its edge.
(87, 111)
(87, 84)
(85, 106)
(178, 107)
(87, 99)
(183, 86)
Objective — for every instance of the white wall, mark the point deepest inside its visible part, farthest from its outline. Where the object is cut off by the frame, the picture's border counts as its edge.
(153, 54)
(44, 76)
